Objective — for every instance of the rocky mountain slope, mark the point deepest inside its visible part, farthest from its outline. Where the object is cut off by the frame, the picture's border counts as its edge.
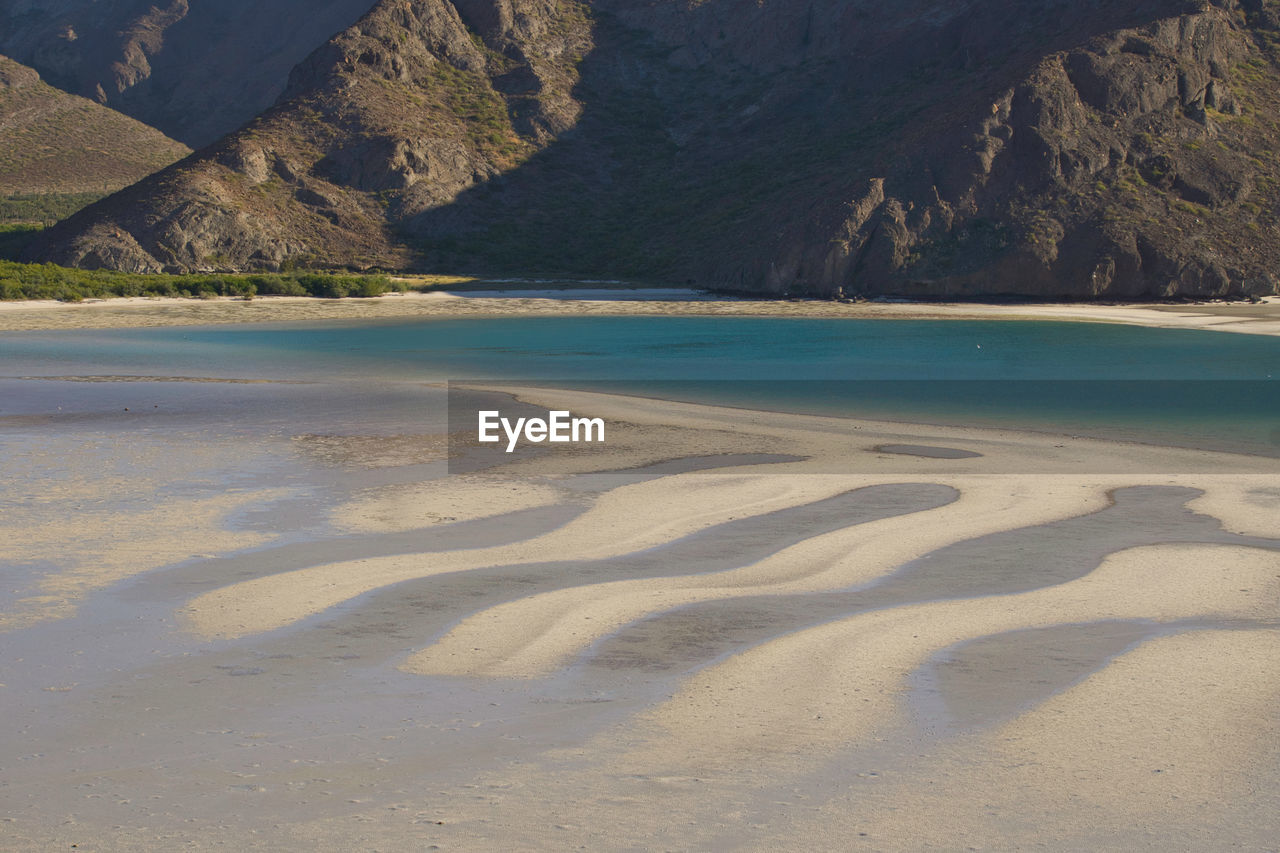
(52, 142)
(195, 69)
(931, 148)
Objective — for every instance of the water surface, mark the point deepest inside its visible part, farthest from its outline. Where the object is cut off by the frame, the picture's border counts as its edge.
(1165, 385)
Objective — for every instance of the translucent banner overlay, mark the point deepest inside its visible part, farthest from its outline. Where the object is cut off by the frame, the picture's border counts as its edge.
(495, 424)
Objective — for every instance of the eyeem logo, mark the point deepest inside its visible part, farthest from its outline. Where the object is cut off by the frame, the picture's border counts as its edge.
(560, 428)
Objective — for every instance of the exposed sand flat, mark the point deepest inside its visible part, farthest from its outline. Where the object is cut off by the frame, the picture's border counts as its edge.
(373, 451)
(1162, 749)
(88, 514)
(104, 550)
(1251, 507)
(631, 518)
(1262, 318)
(532, 636)
(845, 680)
(391, 509)
(1189, 705)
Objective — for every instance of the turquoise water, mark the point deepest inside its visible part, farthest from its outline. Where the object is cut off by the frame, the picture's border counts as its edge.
(1155, 383)
(656, 348)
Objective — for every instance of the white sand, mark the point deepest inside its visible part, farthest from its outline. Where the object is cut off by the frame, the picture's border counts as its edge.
(845, 680)
(625, 520)
(1251, 506)
(1262, 318)
(535, 635)
(1161, 750)
(315, 738)
(1165, 745)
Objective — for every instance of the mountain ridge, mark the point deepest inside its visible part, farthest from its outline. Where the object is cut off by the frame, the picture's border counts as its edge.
(935, 150)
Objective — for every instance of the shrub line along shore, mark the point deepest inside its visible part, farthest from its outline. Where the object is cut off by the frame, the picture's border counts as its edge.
(1257, 318)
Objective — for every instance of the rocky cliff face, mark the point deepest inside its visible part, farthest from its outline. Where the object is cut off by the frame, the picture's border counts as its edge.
(1133, 164)
(960, 148)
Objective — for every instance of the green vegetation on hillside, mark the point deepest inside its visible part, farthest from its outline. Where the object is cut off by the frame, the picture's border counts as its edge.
(47, 281)
(471, 100)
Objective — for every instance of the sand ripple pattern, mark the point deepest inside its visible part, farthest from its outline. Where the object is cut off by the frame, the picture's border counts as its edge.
(733, 588)
(626, 520)
(534, 635)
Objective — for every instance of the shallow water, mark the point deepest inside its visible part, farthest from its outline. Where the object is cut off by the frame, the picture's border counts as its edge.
(1165, 386)
(712, 348)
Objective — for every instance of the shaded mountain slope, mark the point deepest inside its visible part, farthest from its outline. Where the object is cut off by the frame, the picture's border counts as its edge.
(52, 142)
(195, 69)
(1053, 149)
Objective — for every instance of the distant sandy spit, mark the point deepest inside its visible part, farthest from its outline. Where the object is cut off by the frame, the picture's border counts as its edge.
(1262, 318)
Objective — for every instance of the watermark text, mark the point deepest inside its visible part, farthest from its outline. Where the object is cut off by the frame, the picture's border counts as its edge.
(559, 427)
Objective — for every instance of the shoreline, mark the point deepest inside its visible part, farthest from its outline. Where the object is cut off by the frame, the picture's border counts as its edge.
(1262, 318)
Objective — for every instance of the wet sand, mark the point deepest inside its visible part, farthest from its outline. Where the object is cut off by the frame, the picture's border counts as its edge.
(730, 630)
(1262, 318)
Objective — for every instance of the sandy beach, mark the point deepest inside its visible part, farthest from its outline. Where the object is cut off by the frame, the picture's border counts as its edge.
(726, 629)
(639, 426)
(1262, 318)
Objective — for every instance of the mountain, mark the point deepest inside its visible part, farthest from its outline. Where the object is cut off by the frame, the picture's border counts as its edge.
(394, 116)
(52, 142)
(927, 148)
(195, 69)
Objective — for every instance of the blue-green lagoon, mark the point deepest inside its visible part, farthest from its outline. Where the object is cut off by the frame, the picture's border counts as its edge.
(1182, 387)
